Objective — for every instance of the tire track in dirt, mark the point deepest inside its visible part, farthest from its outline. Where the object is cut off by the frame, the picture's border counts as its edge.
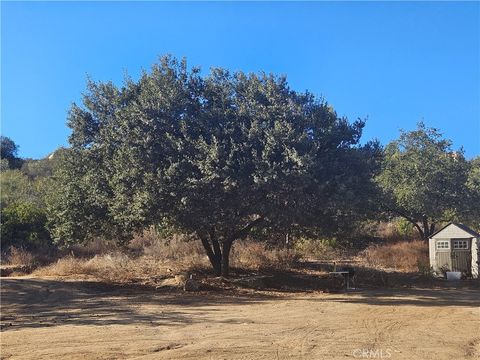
(423, 325)
(472, 349)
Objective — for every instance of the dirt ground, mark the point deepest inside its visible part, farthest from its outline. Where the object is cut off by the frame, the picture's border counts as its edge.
(52, 319)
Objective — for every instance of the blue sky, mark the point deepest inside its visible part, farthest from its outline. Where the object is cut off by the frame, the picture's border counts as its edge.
(395, 63)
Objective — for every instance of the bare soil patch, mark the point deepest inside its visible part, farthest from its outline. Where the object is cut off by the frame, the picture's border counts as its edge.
(48, 318)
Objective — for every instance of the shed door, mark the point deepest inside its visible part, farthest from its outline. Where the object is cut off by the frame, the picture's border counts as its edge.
(461, 255)
(443, 255)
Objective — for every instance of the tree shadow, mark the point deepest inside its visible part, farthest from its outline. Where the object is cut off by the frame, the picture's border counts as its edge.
(34, 303)
(37, 303)
(373, 278)
(452, 297)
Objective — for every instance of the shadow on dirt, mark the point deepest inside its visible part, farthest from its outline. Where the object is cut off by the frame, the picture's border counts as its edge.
(413, 297)
(28, 302)
(40, 302)
(372, 278)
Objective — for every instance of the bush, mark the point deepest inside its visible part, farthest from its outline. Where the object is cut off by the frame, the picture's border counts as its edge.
(404, 228)
(115, 267)
(16, 188)
(316, 248)
(176, 247)
(19, 256)
(405, 256)
(258, 256)
(94, 247)
(23, 225)
(424, 268)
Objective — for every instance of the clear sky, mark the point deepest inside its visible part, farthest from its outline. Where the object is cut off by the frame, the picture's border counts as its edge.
(395, 63)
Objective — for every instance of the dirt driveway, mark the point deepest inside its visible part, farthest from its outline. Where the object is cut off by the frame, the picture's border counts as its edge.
(51, 319)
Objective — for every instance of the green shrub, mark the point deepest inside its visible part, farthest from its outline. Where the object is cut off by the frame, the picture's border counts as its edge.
(404, 228)
(316, 248)
(424, 268)
(23, 225)
(16, 187)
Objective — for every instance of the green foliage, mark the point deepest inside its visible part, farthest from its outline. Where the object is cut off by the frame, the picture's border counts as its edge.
(8, 153)
(474, 175)
(77, 208)
(316, 248)
(23, 201)
(404, 227)
(16, 187)
(423, 179)
(424, 268)
(23, 225)
(8, 148)
(4, 165)
(43, 168)
(471, 211)
(216, 156)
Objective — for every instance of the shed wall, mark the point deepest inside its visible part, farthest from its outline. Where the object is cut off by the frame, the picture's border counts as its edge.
(431, 252)
(475, 256)
(452, 232)
(475, 248)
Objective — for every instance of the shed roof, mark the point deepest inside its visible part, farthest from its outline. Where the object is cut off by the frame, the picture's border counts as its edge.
(465, 228)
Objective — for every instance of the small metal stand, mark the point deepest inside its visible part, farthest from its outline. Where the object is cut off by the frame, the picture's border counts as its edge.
(346, 275)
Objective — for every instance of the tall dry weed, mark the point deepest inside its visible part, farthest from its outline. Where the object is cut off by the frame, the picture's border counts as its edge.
(20, 257)
(404, 256)
(256, 256)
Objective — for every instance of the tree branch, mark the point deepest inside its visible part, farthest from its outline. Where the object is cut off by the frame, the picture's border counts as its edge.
(242, 233)
(405, 216)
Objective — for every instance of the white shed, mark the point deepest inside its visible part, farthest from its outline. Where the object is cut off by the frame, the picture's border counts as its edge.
(455, 247)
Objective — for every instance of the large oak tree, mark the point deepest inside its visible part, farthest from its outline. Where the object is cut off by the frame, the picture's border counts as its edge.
(216, 155)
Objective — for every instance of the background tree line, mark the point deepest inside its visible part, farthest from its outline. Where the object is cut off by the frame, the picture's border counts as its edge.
(226, 156)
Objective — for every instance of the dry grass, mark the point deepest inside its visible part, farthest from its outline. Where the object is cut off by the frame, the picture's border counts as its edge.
(257, 256)
(94, 247)
(409, 256)
(20, 257)
(154, 260)
(317, 249)
(184, 251)
(147, 258)
(115, 267)
(151, 257)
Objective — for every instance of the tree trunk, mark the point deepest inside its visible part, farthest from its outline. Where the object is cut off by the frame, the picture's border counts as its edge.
(419, 229)
(428, 229)
(219, 256)
(226, 247)
(213, 256)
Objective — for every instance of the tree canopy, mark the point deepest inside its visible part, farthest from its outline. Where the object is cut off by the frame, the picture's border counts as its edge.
(8, 153)
(215, 155)
(425, 180)
(223, 156)
(23, 204)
